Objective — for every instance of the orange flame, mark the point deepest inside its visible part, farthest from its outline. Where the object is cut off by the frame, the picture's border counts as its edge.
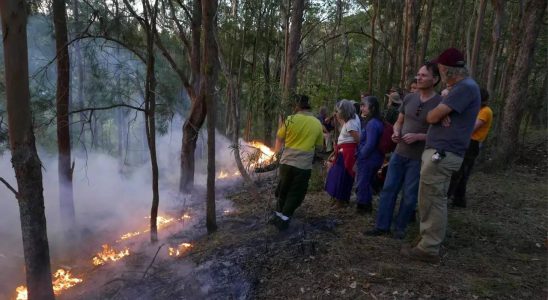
(266, 154)
(161, 222)
(182, 248)
(107, 254)
(62, 281)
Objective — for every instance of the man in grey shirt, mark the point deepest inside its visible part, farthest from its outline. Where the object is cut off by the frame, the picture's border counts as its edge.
(405, 163)
(452, 123)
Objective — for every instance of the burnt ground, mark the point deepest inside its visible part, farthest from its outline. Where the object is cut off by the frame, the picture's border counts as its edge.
(496, 248)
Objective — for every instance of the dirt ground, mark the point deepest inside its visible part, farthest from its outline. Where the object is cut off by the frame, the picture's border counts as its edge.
(496, 248)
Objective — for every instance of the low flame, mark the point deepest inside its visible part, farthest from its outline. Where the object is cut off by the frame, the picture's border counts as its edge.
(63, 280)
(182, 248)
(161, 222)
(266, 155)
(226, 174)
(107, 254)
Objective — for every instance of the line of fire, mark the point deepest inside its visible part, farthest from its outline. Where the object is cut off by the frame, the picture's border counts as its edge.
(257, 157)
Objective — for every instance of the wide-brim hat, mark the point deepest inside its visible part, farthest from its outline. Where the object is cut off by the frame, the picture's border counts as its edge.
(395, 97)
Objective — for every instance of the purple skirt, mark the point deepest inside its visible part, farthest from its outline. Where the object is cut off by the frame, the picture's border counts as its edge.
(339, 180)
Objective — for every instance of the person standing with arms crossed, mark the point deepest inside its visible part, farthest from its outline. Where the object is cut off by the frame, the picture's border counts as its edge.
(447, 139)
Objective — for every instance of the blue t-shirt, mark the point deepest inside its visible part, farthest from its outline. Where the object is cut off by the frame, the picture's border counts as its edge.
(464, 99)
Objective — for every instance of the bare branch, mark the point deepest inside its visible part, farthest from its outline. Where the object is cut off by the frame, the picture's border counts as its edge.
(106, 108)
(172, 62)
(14, 191)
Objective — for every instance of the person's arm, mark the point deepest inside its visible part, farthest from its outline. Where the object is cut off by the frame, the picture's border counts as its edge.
(438, 113)
(355, 135)
(478, 124)
(319, 142)
(372, 140)
(397, 128)
(279, 144)
(410, 138)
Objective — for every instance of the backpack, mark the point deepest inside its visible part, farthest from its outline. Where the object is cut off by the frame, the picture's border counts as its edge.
(386, 145)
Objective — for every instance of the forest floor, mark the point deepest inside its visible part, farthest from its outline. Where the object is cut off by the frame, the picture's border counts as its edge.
(496, 248)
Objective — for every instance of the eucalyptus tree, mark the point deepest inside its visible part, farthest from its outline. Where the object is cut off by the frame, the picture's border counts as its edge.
(25, 160)
(148, 21)
(209, 71)
(529, 27)
(66, 195)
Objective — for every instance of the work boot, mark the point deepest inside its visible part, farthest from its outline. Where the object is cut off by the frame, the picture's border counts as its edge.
(417, 254)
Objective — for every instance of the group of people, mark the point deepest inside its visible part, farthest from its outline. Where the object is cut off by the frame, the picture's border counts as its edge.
(437, 139)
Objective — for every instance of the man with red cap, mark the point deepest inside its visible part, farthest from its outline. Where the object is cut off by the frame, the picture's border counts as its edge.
(451, 125)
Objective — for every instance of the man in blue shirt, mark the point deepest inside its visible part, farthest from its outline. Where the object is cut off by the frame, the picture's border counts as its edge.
(451, 125)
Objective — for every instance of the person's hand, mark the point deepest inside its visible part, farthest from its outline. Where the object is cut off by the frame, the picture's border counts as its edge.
(445, 92)
(446, 122)
(396, 137)
(410, 138)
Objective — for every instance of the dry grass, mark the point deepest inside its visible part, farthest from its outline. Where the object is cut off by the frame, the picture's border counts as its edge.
(495, 248)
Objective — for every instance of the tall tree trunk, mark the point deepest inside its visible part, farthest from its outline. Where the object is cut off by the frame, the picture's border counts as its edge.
(458, 24)
(79, 60)
(373, 46)
(196, 118)
(66, 201)
(498, 7)
(209, 80)
(395, 42)
(473, 65)
(268, 106)
(531, 23)
(150, 112)
(294, 43)
(425, 33)
(408, 66)
(25, 160)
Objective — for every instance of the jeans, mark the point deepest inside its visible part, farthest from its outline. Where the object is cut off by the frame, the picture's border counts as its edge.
(367, 169)
(401, 171)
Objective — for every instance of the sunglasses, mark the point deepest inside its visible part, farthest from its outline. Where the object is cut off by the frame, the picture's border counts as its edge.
(419, 109)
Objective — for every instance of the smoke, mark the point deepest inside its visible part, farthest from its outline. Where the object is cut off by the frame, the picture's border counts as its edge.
(108, 199)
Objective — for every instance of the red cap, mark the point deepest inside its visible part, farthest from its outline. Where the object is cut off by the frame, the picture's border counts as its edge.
(450, 57)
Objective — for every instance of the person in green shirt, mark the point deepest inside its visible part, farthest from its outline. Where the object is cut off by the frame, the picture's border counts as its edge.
(300, 135)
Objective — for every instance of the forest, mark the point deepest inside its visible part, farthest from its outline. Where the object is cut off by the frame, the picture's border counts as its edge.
(134, 136)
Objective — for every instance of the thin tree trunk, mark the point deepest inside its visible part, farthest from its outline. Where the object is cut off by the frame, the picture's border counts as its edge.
(292, 51)
(24, 158)
(530, 26)
(473, 65)
(456, 32)
(66, 200)
(425, 33)
(197, 115)
(373, 46)
(498, 7)
(408, 67)
(150, 113)
(209, 71)
(396, 43)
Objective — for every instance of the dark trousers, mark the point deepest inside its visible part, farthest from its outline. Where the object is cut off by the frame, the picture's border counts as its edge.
(457, 188)
(291, 188)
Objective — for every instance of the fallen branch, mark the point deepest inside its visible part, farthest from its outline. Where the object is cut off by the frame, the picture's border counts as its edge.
(153, 259)
(10, 187)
